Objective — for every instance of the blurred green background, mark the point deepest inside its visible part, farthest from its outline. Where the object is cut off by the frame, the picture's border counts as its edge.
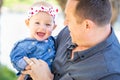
(6, 73)
(11, 3)
(21, 5)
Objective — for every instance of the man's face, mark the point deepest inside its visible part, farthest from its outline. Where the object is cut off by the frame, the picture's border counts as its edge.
(76, 29)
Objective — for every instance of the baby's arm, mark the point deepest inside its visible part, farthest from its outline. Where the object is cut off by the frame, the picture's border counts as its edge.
(16, 56)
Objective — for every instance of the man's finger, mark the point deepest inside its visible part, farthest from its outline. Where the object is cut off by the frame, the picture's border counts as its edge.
(30, 62)
(28, 67)
(21, 77)
(42, 61)
(34, 60)
(27, 72)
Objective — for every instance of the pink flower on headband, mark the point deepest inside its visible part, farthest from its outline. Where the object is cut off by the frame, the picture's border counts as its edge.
(49, 10)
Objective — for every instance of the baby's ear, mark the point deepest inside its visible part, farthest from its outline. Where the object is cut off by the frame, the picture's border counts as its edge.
(54, 26)
(27, 22)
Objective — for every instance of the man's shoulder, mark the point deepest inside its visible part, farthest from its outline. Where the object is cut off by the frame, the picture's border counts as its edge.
(63, 37)
(63, 34)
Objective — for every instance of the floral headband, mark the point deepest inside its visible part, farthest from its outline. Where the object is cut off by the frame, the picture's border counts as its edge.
(49, 10)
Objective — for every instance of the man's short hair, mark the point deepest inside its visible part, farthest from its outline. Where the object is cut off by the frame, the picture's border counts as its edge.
(99, 11)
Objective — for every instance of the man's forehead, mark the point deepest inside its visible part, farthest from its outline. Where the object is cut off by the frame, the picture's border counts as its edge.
(72, 3)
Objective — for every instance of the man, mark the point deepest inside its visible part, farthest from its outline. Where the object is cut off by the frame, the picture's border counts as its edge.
(91, 52)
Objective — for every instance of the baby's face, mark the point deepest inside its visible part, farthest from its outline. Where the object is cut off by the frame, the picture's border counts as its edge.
(41, 25)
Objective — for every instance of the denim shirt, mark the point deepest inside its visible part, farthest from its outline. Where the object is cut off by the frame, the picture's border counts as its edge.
(32, 48)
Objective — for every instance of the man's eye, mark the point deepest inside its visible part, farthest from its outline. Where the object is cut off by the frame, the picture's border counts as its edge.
(37, 23)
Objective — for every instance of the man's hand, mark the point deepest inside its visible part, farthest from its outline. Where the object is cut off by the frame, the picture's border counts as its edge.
(39, 69)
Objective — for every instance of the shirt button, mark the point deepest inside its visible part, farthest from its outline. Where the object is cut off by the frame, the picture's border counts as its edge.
(58, 74)
(33, 43)
(82, 57)
(49, 50)
(51, 60)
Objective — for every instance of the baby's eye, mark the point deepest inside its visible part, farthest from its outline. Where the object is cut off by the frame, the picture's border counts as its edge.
(37, 23)
(48, 24)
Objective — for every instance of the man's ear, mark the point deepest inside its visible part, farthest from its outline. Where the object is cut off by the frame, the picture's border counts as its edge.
(88, 24)
(27, 22)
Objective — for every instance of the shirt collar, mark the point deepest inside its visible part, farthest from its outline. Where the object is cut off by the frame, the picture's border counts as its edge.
(91, 51)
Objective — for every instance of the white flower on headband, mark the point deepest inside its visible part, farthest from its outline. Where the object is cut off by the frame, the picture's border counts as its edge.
(49, 10)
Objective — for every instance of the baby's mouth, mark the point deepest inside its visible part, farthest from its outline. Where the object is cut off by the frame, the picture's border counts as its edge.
(40, 34)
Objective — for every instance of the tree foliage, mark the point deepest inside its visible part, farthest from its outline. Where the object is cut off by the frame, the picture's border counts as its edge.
(11, 3)
(6, 73)
(62, 3)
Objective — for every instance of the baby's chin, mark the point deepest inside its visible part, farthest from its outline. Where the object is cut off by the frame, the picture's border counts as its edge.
(41, 39)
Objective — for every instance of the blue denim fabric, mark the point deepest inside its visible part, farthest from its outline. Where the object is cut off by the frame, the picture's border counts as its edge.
(32, 48)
